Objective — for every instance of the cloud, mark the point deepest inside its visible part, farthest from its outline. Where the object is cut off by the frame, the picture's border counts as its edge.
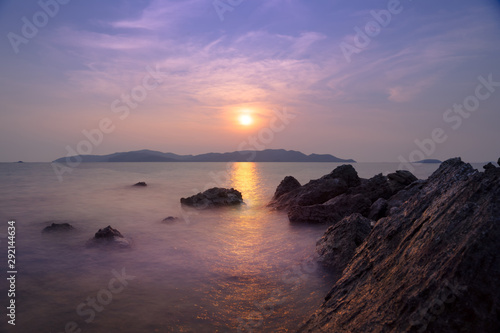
(160, 14)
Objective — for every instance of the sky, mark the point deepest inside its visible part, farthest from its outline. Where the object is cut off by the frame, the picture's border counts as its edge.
(376, 81)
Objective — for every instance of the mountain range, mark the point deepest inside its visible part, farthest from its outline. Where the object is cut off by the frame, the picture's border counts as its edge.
(268, 155)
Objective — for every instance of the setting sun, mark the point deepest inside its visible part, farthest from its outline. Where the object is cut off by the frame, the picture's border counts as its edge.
(245, 119)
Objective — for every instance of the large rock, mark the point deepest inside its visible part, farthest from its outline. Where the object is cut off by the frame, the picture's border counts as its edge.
(347, 173)
(433, 266)
(374, 188)
(290, 194)
(331, 211)
(400, 179)
(339, 243)
(288, 184)
(58, 227)
(214, 197)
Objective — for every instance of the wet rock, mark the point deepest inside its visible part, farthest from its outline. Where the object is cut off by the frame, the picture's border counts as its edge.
(140, 184)
(331, 211)
(170, 219)
(58, 227)
(432, 266)
(107, 233)
(109, 236)
(288, 184)
(213, 198)
(378, 209)
(339, 243)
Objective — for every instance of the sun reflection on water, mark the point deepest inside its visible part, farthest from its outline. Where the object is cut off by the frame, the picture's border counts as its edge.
(243, 271)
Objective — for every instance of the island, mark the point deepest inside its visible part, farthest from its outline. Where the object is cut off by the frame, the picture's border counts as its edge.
(268, 155)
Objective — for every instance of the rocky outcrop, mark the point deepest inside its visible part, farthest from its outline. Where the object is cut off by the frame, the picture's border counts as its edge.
(331, 211)
(339, 194)
(287, 185)
(213, 198)
(140, 184)
(431, 266)
(109, 236)
(58, 227)
(339, 243)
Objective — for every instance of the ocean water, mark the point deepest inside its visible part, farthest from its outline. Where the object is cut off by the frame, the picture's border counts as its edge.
(241, 269)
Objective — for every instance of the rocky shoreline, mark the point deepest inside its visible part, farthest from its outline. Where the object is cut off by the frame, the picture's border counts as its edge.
(415, 255)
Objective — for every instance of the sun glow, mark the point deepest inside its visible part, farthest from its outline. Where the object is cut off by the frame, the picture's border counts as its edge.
(245, 119)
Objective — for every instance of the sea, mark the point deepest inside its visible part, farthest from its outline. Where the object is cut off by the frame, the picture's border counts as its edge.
(245, 269)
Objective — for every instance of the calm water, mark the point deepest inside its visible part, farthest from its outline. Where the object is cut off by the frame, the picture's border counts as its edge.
(212, 271)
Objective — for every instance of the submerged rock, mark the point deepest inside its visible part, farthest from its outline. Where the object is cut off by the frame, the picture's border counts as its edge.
(58, 227)
(170, 219)
(432, 266)
(109, 236)
(339, 243)
(214, 197)
(140, 184)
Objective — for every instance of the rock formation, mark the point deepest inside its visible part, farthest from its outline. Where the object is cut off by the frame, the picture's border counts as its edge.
(338, 244)
(141, 184)
(213, 198)
(109, 236)
(58, 227)
(339, 194)
(432, 265)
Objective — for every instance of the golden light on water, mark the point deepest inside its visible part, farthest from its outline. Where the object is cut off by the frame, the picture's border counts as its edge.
(243, 257)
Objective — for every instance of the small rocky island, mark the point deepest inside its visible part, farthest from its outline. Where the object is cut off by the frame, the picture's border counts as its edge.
(214, 198)
(415, 255)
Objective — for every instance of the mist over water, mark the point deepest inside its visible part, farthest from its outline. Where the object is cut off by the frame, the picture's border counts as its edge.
(211, 271)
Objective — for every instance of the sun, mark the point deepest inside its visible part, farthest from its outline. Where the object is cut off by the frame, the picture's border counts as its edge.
(245, 119)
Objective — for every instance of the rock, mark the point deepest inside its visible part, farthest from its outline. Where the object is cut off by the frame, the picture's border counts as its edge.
(109, 236)
(400, 179)
(331, 211)
(489, 166)
(170, 219)
(378, 209)
(433, 266)
(498, 162)
(403, 196)
(107, 233)
(339, 243)
(141, 184)
(214, 197)
(58, 227)
(374, 188)
(316, 191)
(347, 173)
(288, 184)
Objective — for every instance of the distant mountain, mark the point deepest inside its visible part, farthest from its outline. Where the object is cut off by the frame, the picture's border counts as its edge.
(429, 161)
(268, 155)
